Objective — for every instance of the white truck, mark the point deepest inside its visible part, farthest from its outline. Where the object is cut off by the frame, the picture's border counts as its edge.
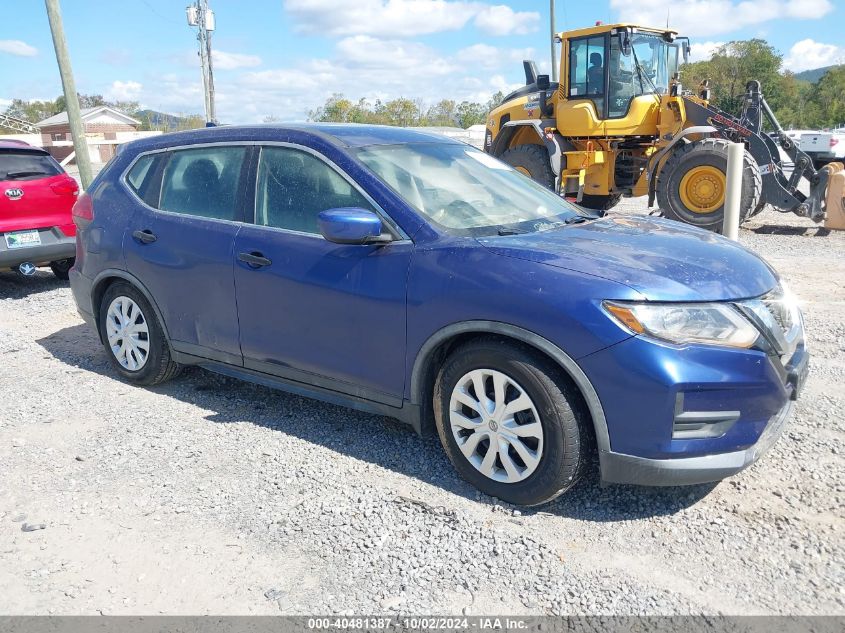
(822, 146)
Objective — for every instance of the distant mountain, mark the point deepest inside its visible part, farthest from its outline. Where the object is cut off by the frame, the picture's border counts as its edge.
(813, 75)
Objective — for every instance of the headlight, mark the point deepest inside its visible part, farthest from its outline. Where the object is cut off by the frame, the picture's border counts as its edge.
(706, 323)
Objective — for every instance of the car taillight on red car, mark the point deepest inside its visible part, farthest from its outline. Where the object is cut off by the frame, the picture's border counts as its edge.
(65, 187)
(83, 209)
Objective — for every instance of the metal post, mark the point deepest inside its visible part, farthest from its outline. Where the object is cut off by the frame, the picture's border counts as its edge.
(204, 40)
(552, 37)
(212, 115)
(74, 117)
(730, 223)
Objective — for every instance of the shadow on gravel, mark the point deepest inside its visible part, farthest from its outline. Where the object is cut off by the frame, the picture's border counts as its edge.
(13, 285)
(806, 231)
(372, 439)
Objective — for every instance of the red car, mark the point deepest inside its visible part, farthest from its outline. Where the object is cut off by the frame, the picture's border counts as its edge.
(36, 196)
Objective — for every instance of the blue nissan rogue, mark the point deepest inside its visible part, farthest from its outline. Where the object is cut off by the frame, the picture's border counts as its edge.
(416, 277)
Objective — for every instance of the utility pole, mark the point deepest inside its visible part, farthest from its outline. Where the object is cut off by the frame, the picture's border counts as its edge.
(201, 16)
(552, 38)
(74, 117)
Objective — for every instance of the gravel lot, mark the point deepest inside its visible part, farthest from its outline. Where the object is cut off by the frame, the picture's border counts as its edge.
(207, 495)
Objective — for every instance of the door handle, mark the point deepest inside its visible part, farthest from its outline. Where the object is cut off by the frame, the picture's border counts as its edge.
(145, 237)
(254, 259)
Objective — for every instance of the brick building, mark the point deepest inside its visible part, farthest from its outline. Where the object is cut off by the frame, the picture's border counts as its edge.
(102, 125)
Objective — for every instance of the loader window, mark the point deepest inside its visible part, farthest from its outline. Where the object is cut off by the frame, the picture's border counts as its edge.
(647, 69)
(586, 70)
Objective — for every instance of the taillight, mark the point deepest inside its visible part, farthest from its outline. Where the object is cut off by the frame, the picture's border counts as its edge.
(83, 209)
(833, 141)
(65, 187)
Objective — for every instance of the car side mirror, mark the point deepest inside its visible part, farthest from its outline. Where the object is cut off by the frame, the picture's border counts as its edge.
(351, 226)
(543, 82)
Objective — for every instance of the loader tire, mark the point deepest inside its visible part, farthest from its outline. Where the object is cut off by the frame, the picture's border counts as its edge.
(533, 161)
(600, 203)
(691, 184)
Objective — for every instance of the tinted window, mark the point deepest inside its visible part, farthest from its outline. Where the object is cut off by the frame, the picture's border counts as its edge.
(26, 165)
(144, 179)
(586, 70)
(203, 182)
(294, 186)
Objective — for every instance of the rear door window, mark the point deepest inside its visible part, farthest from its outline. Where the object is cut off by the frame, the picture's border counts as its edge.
(17, 165)
(203, 182)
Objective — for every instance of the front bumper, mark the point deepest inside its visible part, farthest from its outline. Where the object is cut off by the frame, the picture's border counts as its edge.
(619, 468)
(54, 246)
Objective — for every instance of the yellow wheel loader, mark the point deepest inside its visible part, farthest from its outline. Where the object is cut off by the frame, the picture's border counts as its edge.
(619, 123)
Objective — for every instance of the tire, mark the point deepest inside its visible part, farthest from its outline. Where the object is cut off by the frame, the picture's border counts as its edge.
(564, 443)
(533, 161)
(600, 203)
(151, 368)
(62, 267)
(692, 159)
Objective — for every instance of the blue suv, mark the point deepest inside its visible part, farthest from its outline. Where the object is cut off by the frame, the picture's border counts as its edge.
(412, 276)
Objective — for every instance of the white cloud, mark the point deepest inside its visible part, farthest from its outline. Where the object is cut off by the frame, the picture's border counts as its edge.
(124, 91)
(231, 61)
(702, 51)
(502, 20)
(808, 54)
(711, 17)
(406, 18)
(17, 47)
(486, 56)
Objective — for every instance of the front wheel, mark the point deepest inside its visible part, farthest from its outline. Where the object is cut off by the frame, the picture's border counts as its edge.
(510, 422)
(691, 185)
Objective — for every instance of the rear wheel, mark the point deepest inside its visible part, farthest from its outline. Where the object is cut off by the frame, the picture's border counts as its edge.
(692, 183)
(510, 423)
(133, 337)
(600, 203)
(533, 161)
(62, 267)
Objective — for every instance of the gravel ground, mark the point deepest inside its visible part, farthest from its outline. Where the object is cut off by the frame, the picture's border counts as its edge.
(208, 495)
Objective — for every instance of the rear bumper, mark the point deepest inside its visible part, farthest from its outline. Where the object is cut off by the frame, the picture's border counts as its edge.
(619, 468)
(81, 288)
(54, 246)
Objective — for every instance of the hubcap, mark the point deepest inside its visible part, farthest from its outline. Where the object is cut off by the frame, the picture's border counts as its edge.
(702, 189)
(496, 425)
(127, 333)
(523, 170)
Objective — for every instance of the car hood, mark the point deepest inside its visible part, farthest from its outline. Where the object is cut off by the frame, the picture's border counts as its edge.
(662, 259)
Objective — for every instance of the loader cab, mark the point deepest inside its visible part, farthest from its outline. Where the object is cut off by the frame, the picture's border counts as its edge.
(608, 68)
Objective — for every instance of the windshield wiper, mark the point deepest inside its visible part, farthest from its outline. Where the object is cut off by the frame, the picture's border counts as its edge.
(20, 174)
(509, 230)
(576, 219)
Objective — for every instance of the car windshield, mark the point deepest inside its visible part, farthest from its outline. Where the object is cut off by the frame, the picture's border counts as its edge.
(15, 165)
(464, 190)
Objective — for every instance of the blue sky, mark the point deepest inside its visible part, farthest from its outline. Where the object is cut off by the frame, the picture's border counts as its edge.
(284, 57)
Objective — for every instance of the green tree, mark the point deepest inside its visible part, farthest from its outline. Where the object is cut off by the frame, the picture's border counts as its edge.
(734, 64)
(829, 97)
(471, 114)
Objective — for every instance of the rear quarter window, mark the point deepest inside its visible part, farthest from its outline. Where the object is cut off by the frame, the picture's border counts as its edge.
(17, 165)
(144, 178)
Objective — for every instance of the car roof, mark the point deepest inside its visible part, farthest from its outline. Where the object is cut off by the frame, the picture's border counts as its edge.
(345, 135)
(21, 146)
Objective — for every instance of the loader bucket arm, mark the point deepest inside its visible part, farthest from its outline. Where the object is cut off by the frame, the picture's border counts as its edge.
(779, 190)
